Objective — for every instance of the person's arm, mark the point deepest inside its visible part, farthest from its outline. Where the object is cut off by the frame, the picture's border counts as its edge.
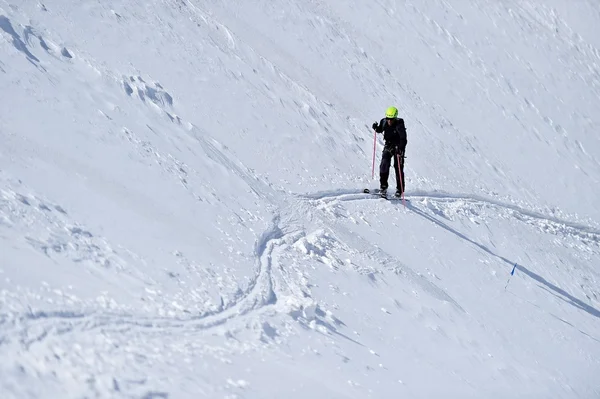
(379, 127)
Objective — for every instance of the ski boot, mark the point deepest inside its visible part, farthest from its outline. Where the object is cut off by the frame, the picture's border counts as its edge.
(398, 194)
(383, 192)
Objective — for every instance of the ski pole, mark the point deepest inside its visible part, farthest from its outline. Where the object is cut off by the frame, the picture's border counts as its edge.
(374, 150)
(400, 178)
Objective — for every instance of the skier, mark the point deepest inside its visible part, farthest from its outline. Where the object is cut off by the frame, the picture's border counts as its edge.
(394, 135)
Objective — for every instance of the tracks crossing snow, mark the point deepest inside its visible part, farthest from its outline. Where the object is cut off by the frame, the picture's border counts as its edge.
(546, 223)
(268, 283)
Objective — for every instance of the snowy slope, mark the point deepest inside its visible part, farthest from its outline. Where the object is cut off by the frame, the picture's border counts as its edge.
(181, 211)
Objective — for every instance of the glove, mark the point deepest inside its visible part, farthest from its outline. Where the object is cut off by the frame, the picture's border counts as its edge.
(375, 125)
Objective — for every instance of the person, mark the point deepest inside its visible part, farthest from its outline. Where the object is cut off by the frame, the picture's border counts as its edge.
(394, 135)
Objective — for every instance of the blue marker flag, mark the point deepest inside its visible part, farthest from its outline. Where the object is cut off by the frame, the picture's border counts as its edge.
(512, 272)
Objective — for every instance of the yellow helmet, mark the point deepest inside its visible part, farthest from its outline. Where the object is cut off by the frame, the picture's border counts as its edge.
(391, 112)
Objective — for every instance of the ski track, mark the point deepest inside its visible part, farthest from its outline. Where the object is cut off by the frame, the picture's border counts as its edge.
(260, 292)
(262, 289)
(580, 230)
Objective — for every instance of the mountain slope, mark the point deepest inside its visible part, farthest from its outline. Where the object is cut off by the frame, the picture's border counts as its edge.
(181, 206)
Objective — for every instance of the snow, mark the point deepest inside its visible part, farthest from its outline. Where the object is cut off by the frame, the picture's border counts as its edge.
(182, 216)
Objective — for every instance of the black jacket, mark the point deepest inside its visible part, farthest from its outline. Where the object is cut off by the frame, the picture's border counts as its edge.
(394, 135)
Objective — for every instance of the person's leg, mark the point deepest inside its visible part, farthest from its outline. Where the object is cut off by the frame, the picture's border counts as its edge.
(384, 169)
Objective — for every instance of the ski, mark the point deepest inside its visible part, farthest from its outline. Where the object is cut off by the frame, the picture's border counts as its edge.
(377, 192)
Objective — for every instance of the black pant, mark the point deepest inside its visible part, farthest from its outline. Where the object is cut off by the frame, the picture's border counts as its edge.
(384, 168)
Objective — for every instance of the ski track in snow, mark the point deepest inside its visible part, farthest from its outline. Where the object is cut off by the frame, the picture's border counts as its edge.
(551, 223)
(259, 293)
(263, 289)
